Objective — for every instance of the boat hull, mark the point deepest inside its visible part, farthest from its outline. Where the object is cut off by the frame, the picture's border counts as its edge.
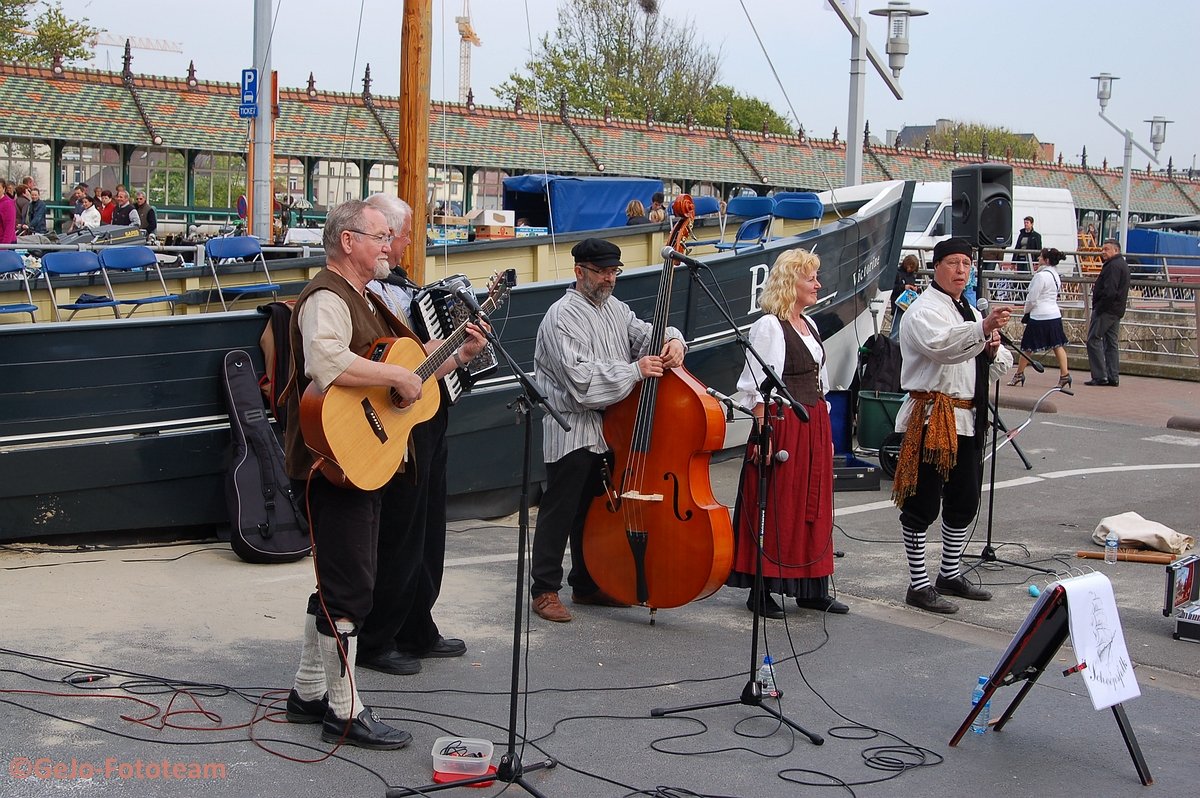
(119, 425)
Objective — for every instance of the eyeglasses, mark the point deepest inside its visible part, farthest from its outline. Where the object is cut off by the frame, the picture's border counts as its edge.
(382, 238)
(611, 271)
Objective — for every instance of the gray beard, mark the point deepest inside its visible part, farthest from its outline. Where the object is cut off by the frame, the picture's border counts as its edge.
(382, 271)
(598, 295)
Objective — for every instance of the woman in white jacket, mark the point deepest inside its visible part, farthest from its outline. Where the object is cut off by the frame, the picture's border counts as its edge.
(1043, 319)
(90, 217)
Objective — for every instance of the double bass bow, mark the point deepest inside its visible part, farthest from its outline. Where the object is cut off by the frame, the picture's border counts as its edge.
(657, 536)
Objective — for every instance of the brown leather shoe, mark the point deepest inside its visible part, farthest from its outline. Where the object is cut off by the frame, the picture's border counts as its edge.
(597, 599)
(548, 607)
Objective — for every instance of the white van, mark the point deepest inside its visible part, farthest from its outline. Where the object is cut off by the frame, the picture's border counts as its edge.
(1052, 209)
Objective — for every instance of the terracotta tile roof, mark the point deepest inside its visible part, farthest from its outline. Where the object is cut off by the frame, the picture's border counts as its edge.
(95, 106)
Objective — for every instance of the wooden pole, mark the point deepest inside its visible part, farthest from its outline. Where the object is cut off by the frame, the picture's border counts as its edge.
(1158, 558)
(416, 35)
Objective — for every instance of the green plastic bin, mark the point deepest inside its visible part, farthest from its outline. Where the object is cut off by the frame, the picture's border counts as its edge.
(877, 412)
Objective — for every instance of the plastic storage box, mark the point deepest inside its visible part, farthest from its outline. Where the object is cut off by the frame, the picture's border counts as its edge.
(462, 755)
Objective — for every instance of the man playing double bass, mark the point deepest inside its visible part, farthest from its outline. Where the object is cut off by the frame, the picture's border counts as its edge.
(591, 352)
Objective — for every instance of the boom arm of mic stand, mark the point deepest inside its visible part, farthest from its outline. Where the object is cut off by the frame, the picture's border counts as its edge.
(772, 378)
(536, 397)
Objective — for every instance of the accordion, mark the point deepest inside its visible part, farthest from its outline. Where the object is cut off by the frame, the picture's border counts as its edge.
(436, 313)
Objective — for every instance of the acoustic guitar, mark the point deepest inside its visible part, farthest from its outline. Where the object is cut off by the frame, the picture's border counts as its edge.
(362, 433)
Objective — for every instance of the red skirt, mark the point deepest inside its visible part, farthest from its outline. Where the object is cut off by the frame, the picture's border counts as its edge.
(798, 535)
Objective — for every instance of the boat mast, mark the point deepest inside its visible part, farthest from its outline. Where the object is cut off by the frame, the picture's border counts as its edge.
(416, 35)
(262, 192)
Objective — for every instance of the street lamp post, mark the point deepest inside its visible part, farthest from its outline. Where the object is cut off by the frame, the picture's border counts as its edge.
(1158, 134)
(861, 51)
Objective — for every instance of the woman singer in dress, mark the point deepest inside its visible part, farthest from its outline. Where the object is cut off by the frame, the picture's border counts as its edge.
(1043, 319)
(797, 551)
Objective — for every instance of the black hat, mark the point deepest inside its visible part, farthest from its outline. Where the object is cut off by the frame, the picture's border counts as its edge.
(952, 246)
(598, 252)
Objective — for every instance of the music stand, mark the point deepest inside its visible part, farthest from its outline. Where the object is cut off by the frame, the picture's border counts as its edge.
(1032, 649)
(752, 694)
(510, 770)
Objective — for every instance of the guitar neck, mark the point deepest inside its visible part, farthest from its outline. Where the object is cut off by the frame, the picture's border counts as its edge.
(446, 349)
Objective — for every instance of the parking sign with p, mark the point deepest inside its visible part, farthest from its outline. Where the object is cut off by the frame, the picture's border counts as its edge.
(249, 86)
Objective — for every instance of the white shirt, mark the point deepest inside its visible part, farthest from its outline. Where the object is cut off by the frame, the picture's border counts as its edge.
(90, 218)
(326, 330)
(766, 336)
(1041, 302)
(939, 349)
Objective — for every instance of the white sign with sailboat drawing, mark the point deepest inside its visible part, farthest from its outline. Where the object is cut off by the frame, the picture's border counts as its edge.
(1098, 640)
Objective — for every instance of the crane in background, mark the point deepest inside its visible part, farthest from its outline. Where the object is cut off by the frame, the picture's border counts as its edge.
(467, 37)
(106, 39)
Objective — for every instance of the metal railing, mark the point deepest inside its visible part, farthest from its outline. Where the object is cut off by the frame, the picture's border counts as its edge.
(1159, 330)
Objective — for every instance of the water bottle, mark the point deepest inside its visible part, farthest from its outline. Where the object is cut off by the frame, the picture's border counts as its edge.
(1110, 546)
(980, 724)
(766, 678)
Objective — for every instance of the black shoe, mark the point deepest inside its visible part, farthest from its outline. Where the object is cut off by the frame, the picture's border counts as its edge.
(1113, 383)
(1097, 382)
(961, 587)
(365, 731)
(393, 662)
(929, 599)
(767, 607)
(301, 711)
(823, 604)
(444, 647)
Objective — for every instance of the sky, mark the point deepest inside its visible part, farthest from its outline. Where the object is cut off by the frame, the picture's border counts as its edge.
(1022, 64)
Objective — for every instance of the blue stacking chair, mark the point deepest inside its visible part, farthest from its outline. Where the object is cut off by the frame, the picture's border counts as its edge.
(238, 249)
(128, 259)
(756, 229)
(12, 263)
(76, 264)
(802, 206)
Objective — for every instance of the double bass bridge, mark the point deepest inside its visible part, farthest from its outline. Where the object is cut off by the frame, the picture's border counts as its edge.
(638, 496)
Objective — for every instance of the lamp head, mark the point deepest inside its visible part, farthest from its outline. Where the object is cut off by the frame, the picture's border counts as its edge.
(897, 12)
(1104, 88)
(1158, 132)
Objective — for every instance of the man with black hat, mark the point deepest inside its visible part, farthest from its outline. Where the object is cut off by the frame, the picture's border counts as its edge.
(951, 355)
(591, 352)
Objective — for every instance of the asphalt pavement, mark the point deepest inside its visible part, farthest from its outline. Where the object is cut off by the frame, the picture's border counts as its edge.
(189, 647)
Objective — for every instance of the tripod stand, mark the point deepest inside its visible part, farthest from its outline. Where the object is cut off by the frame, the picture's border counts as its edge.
(510, 770)
(752, 694)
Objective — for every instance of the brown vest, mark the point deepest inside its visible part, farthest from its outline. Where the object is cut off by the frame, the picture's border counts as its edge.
(801, 373)
(366, 328)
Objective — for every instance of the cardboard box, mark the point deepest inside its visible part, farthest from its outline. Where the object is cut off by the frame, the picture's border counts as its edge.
(494, 231)
(525, 231)
(452, 232)
(449, 221)
(492, 218)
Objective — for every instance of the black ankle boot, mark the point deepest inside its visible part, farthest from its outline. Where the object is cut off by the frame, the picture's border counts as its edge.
(766, 606)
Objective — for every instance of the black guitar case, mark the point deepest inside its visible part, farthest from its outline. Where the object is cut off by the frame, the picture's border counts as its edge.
(267, 523)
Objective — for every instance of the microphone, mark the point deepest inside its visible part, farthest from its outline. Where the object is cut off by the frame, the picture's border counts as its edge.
(728, 401)
(467, 297)
(983, 305)
(781, 456)
(673, 254)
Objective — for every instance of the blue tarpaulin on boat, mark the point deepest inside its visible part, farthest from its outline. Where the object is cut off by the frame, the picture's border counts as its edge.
(1163, 244)
(578, 203)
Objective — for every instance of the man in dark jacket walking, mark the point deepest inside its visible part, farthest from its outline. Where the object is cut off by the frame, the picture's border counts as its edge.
(1109, 295)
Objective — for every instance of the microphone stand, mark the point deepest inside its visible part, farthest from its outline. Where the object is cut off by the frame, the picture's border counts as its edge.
(988, 554)
(752, 694)
(510, 769)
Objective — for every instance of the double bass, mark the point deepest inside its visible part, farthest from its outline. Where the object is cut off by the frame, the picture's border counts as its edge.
(657, 536)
